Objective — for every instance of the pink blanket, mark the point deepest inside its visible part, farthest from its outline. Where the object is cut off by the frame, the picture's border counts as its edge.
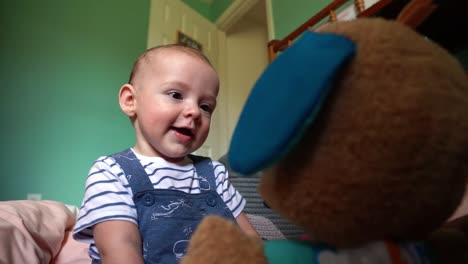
(38, 232)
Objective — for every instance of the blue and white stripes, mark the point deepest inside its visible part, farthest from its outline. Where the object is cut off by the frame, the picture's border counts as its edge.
(108, 194)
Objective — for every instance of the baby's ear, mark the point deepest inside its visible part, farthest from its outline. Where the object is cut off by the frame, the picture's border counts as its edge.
(127, 99)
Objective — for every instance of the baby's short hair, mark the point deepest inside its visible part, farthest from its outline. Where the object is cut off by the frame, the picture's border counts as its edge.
(154, 50)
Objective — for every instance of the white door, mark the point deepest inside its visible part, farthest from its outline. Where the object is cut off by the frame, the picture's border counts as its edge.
(167, 17)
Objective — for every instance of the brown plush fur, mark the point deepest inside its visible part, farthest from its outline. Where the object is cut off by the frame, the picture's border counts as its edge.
(218, 240)
(386, 158)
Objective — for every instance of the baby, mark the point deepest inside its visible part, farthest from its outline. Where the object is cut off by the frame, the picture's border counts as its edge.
(143, 204)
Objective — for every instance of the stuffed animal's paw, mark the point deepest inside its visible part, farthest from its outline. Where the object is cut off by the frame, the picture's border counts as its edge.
(218, 240)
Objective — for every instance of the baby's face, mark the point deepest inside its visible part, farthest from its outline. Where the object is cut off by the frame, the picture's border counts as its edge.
(175, 99)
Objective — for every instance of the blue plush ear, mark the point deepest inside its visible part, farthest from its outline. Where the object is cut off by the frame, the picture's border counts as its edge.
(286, 99)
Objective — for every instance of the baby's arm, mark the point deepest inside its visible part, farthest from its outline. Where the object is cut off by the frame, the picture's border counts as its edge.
(230, 194)
(245, 225)
(118, 242)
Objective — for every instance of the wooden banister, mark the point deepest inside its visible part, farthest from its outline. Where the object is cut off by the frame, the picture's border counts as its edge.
(372, 10)
(414, 13)
(275, 46)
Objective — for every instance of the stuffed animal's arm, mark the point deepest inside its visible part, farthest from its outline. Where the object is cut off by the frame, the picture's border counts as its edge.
(218, 240)
(451, 241)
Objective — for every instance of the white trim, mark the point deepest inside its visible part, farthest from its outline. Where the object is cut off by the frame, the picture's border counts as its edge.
(222, 105)
(153, 39)
(233, 13)
(270, 21)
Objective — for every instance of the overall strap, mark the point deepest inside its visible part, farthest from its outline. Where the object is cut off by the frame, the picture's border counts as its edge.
(134, 172)
(205, 169)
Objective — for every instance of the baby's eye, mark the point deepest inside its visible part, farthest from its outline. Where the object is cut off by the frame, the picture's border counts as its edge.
(175, 95)
(206, 108)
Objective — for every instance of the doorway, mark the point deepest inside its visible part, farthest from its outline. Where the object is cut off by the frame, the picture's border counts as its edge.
(245, 56)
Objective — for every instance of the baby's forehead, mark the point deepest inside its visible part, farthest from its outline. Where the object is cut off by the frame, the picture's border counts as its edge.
(148, 61)
(152, 57)
(155, 58)
(154, 54)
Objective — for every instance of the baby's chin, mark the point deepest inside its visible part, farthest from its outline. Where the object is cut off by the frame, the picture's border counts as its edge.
(177, 151)
(177, 157)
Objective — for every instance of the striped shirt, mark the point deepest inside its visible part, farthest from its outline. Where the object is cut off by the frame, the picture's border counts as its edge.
(108, 195)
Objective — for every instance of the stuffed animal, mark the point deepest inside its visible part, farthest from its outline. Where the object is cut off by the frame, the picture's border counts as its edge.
(360, 131)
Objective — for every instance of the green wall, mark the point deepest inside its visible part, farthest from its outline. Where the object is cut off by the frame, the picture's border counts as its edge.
(218, 8)
(211, 10)
(289, 15)
(62, 64)
(203, 8)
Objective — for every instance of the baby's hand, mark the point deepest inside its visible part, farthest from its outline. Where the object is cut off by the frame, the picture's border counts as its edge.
(218, 240)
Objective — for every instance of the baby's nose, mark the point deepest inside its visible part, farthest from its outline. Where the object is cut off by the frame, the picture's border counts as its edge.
(192, 109)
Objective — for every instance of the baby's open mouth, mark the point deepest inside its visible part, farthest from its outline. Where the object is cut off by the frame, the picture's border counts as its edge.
(183, 131)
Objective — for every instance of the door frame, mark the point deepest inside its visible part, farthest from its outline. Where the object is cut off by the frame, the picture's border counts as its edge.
(234, 13)
(238, 9)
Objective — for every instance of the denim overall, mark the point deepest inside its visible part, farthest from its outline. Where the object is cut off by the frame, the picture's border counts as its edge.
(167, 218)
